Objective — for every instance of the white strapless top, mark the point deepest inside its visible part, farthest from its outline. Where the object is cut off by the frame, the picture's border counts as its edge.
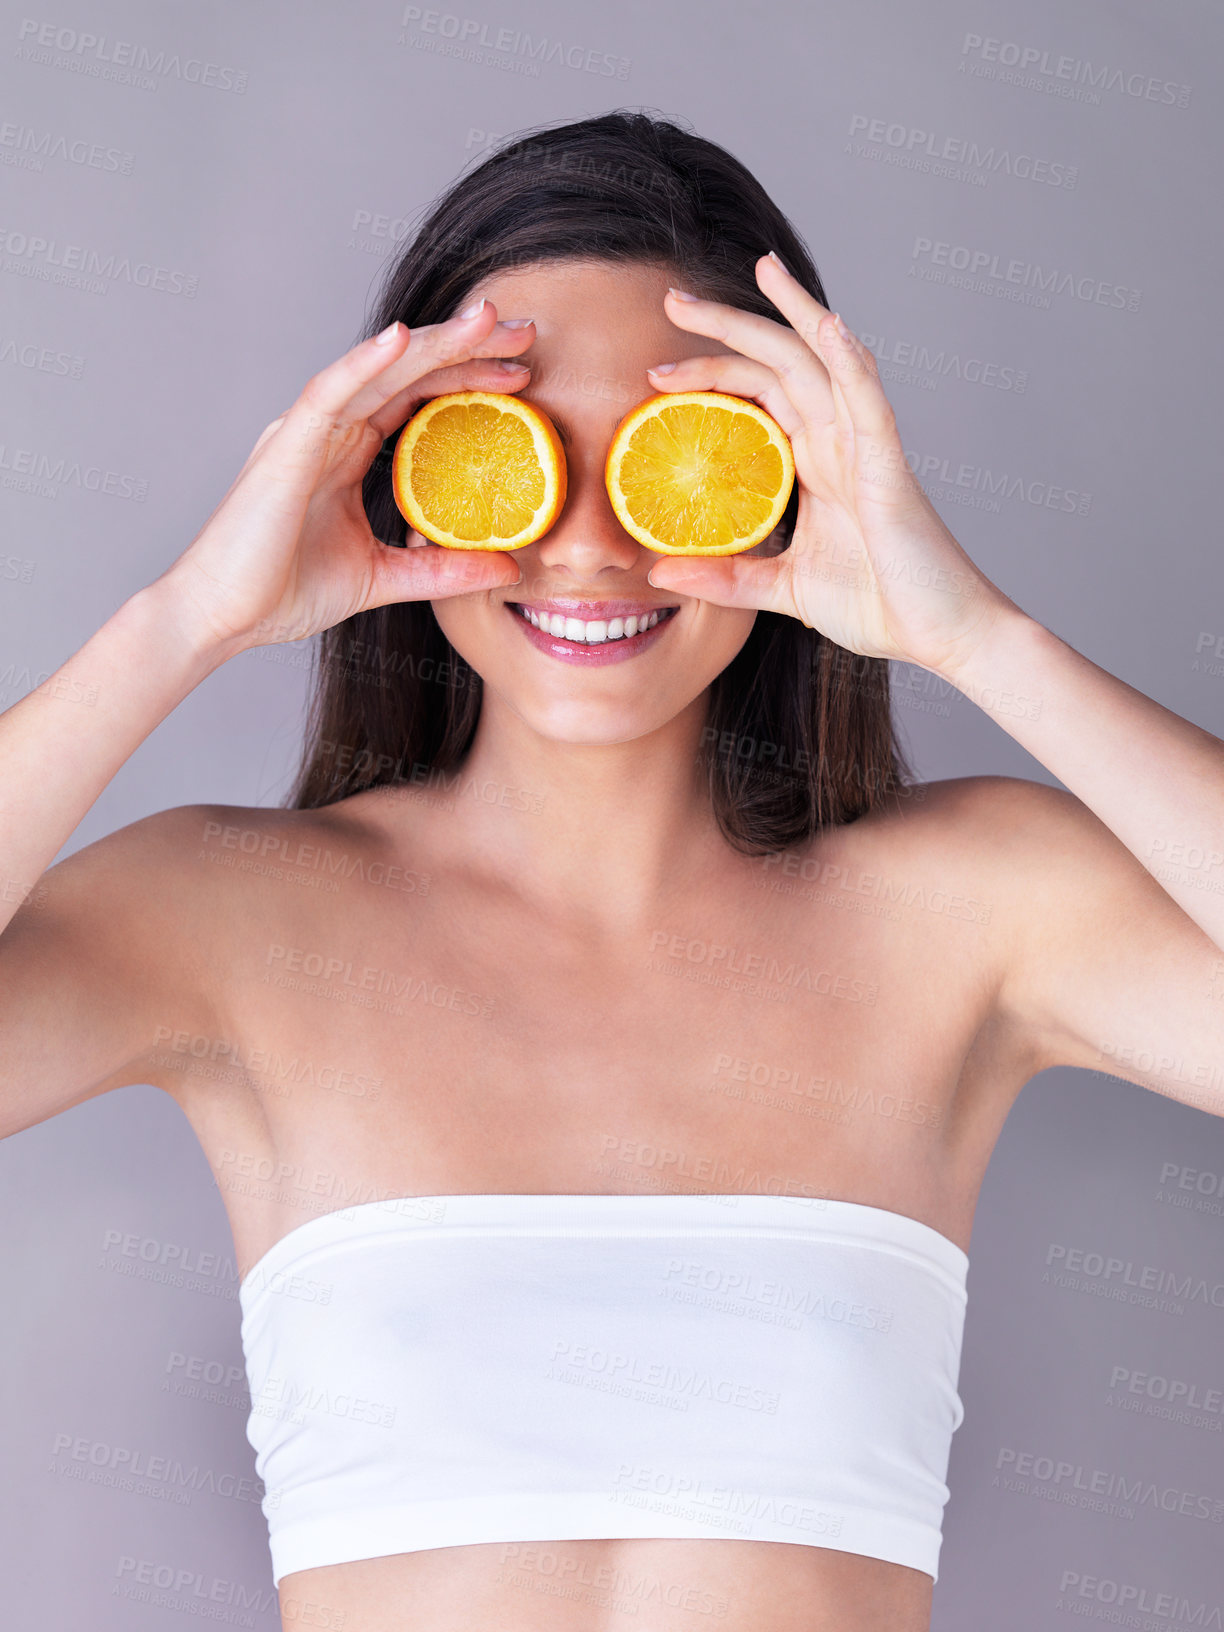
(439, 1370)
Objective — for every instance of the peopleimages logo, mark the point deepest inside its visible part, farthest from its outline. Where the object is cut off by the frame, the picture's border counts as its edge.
(986, 272)
(956, 479)
(1125, 1598)
(32, 470)
(920, 364)
(81, 266)
(1061, 75)
(470, 39)
(28, 148)
(124, 61)
(961, 158)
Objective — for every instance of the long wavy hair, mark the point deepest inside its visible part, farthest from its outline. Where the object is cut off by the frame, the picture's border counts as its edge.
(799, 732)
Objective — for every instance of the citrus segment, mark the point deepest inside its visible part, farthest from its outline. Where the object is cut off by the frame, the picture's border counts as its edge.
(699, 473)
(478, 470)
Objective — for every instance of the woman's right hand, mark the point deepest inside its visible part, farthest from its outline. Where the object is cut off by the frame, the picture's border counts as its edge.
(289, 551)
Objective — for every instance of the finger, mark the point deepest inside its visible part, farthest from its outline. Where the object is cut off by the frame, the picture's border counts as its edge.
(849, 363)
(431, 573)
(801, 372)
(345, 392)
(435, 346)
(297, 447)
(758, 582)
(328, 421)
(736, 375)
(856, 376)
(478, 374)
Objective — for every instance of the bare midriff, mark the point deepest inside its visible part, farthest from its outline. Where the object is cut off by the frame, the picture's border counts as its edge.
(601, 1586)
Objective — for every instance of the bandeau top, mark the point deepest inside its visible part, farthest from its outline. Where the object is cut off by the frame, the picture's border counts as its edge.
(439, 1370)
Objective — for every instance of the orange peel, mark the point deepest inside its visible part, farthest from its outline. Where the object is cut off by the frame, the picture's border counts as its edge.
(479, 470)
(699, 473)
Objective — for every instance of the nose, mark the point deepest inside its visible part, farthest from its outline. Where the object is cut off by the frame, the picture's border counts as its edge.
(586, 537)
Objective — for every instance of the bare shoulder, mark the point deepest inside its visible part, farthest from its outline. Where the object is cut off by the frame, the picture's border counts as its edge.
(928, 897)
(993, 874)
(1033, 843)
(996, 853)
(158, 858)
(1054, 888)
(988, 823)
(1101, 968)
(155, 908)
(980, 825)
(117, 941)
(306, 853)
(131, 898)
(156, 931)
(975, 798)
(938, 870)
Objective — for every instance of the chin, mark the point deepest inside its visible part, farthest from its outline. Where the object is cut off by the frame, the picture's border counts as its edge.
(585, 724)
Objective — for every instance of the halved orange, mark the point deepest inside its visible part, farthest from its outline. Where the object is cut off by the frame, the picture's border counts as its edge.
(699, 473)
(479, 470)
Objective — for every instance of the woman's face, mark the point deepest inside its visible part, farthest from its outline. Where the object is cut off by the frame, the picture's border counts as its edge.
(598, 328)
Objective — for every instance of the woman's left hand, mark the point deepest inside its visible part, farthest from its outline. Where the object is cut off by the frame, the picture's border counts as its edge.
(870, 563)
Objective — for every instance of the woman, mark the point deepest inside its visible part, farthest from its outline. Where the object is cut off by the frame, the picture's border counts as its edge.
(625, 1036)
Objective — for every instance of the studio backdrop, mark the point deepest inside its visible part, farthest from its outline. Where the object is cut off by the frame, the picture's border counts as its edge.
(1017, 207)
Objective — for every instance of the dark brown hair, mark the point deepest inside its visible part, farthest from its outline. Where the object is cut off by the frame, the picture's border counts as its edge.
(799, 732)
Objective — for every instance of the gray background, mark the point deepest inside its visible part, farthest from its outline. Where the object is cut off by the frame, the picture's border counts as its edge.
(265, 188)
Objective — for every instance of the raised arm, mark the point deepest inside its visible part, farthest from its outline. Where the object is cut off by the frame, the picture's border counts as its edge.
(1115, 888)
(94, 948)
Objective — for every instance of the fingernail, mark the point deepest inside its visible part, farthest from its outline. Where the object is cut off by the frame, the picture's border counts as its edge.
(509, 367)
(680, 294)
(387, 335)
(841, 327)
(662, 368)
(516, 322)
(778, 261)
(474, 311)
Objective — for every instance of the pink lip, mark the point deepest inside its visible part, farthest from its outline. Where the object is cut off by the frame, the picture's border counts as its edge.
(573, 651)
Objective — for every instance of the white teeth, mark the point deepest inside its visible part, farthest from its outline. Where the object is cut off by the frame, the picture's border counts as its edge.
(594, 633)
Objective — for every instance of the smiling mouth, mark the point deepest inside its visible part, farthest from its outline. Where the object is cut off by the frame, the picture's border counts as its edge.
(603, 631)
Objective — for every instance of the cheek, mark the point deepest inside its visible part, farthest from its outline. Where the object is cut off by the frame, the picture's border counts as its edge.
(460, 622)
(724, 629)
(714, 638)
(483, 634)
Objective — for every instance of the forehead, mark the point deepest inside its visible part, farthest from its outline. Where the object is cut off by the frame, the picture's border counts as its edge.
(582, 288)
(599, 326)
